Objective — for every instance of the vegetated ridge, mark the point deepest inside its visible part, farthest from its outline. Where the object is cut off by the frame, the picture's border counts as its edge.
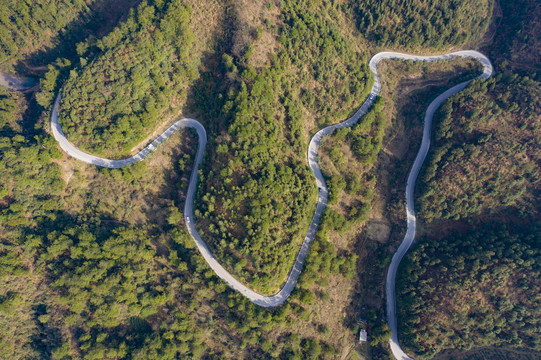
(60, 219)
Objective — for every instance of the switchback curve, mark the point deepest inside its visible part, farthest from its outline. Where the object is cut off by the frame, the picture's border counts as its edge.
(285, 291)
(390, 288)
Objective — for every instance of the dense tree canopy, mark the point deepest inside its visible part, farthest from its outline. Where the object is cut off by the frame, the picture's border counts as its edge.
(486, 151)
(116, 100)
(258, 194)
(96, 263)
(423, 23)
(473, 289)
(8, 109)
(26, 24)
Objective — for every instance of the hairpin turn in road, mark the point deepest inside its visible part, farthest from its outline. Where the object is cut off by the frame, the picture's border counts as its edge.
(285, 291)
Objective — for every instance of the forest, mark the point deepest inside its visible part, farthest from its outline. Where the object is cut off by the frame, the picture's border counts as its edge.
(96, 263)
(36, 33)
(471, 289)
(116, 101)
(350, 179)
(472, 280)
(118, 277)
(486, 151)
(256, 179)
(107, 288)
(26, 25)
(520, 22)
(9, 106)
(422, 24)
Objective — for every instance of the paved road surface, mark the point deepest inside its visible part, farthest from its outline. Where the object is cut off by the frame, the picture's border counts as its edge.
(414, 172)
(281, 296)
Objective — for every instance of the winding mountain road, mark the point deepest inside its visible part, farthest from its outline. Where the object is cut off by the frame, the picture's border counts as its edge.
(412, 177)
(285, 291)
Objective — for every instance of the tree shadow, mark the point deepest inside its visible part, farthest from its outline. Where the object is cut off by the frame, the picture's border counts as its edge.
(207, 96)
(102, 17)
(48, 336)
(205, 101)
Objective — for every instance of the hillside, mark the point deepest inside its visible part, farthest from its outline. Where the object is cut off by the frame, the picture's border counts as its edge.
(422, 24)
(263, 182)
(36, 33)
(476, 288)
(515, 44)
(486, 155)
(97, 263)
(479, 200)
(117, 100)
(27, 25)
